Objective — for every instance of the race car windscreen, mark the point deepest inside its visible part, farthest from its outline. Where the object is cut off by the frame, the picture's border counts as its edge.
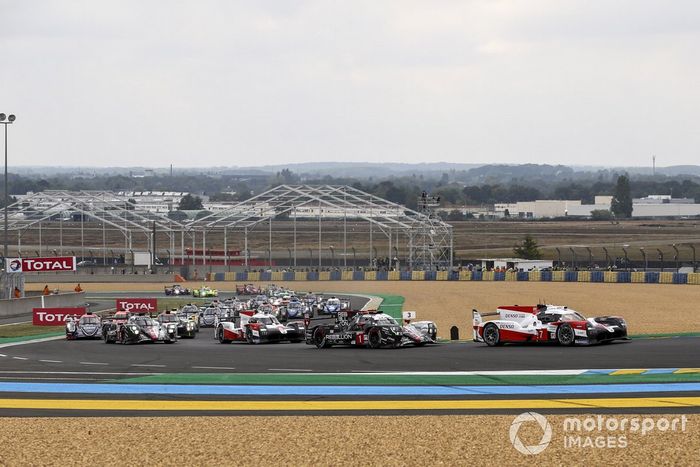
(89, 320)
(145, 322)
(385, 319)
(572, 317)
(169, 318)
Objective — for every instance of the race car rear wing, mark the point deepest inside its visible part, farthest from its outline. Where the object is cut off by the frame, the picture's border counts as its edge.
(477, 320)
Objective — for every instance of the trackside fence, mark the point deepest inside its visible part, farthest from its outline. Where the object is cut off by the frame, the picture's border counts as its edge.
(619, 277)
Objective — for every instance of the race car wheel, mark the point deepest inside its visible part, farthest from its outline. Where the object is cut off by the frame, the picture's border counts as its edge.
(374, 337)
(320, 338)
(492, 335)
(249, 336)
(220, 336)
(122, 337)
(565, 334)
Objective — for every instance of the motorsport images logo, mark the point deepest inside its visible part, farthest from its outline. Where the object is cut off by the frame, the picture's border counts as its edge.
(530, 417)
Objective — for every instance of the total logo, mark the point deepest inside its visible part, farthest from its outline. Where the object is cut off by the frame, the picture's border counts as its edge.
(137, 305)
(15, 265)
(54, 316)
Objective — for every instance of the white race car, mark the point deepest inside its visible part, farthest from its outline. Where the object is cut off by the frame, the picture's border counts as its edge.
(546, 323)
(256, 328)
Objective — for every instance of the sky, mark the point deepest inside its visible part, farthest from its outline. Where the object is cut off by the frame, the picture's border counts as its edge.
(245, 83)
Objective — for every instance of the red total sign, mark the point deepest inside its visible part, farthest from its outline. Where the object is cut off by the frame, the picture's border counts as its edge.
(54, 316)
(137, 305)
(49, 264)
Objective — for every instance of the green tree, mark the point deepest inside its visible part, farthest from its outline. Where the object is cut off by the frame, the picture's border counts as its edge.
(528, 249)
(621, 205)
(190, 203)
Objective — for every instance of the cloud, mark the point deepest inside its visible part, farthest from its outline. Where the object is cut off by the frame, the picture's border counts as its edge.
(241, 82)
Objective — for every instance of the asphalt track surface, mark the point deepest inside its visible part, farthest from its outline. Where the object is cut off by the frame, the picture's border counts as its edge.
(93, 362)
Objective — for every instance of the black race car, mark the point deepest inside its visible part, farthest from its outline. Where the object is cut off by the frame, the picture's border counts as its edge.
(362, 329)
(138, 329)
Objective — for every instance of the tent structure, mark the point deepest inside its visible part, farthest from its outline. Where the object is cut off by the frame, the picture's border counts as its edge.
(46, 218)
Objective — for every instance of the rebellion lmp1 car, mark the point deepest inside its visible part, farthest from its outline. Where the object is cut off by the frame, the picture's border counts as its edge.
(546, 323)
(256, 328)
(87, 326)
(140, 329)
(359, 329)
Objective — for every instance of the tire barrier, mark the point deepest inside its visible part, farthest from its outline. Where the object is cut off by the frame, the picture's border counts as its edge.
(618, 277)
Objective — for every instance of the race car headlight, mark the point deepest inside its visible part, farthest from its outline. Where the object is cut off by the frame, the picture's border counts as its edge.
(623, 323)
(134, 328)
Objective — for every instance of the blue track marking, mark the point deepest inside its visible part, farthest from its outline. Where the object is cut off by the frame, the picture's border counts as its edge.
(274, 390)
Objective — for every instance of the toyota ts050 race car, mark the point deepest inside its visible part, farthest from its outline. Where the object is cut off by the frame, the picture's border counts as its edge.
(185, 326)
(176, 290)
(546, 323)
(139, 329)
(87, 326)
(256, 328)
(359, 328)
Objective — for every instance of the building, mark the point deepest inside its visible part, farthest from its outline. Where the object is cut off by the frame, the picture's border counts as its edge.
(518, 264)
(650, 206)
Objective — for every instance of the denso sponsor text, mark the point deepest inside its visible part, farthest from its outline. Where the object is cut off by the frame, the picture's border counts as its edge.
(137, 305)
(54, 316)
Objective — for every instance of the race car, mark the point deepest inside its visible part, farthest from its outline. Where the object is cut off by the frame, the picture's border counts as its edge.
(185, 326)
(260, 300)
(204, 292)
(247, 289)
(420, 333)
(140, 329)
(207, 318)
(333, 305)
(120, 317)
(295, 309)
(256, 328)
(177, 289)
(191, 312)
(546, 323)
(362, 329)
(87, 326)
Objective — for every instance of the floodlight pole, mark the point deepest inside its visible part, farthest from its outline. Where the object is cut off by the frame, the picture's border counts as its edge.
(9, 121)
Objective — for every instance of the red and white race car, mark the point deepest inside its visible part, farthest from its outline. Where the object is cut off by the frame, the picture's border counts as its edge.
(546, 323)
(255, 327)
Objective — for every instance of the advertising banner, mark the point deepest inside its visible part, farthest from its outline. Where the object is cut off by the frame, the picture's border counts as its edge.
(137, 305)
(49, 264)
(54, 316)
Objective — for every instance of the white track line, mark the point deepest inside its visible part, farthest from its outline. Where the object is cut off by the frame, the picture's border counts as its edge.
(147, 365)
(51, 361)
(20, 358)
(93, 363)
(102, 373)
(214, 367)
(33, 341)
(288, 369)
(3, 355)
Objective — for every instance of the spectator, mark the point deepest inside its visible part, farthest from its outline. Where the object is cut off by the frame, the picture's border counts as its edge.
(78, 289)
(18, 293)
(46, 290)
